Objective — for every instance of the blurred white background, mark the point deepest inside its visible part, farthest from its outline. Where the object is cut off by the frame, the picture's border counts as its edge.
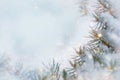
(35, 31)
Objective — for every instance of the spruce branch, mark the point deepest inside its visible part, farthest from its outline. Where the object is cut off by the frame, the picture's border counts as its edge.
(53, 71)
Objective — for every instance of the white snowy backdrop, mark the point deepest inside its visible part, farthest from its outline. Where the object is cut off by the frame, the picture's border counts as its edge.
(35, 31)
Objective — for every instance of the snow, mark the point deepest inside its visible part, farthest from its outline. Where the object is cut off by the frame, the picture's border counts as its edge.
(36, 31)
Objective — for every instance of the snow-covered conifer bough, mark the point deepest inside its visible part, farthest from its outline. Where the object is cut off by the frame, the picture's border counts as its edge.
(98, 59)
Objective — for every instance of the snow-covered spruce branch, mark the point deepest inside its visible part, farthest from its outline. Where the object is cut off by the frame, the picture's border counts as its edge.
(96, 60)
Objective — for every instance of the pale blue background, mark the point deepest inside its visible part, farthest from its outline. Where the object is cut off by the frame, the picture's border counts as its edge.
(39, 30)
